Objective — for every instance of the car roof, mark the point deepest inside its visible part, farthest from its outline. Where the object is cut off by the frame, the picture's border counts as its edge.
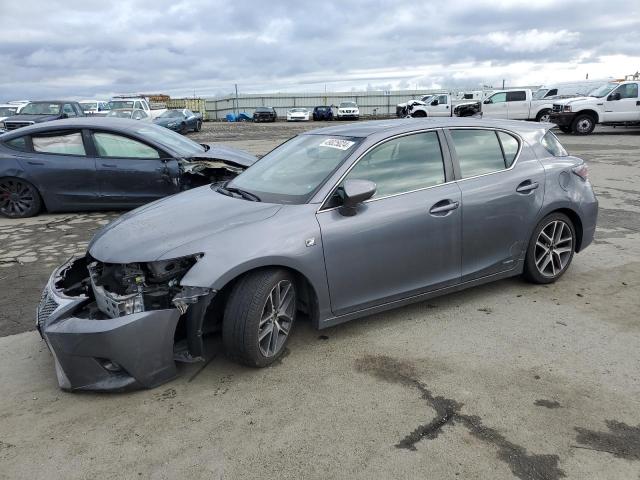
(52, 101)
(403, 125)
(79, 122)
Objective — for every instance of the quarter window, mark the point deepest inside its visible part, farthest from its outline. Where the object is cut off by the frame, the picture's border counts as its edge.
(553, 145)
(402, 165)
(478, 152)
(509, 147)
(110, 145)
(516, 96)
(65, 144)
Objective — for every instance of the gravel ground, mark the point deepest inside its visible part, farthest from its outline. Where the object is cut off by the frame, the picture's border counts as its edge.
(507, 380)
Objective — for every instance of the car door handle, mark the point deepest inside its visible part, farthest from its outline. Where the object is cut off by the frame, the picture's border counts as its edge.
(527, 186)
(31, 162)
(443, 206)
(110, 165)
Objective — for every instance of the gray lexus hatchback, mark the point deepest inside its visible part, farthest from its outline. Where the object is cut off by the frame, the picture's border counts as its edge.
(334, 224)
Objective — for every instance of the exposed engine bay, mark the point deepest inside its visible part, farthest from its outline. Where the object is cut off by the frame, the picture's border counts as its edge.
(199, 172)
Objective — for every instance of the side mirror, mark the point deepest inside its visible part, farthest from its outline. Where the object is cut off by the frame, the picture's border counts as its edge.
(64, 115)
(434, 103)
(488, 101)
(354, 192)
(614, 96)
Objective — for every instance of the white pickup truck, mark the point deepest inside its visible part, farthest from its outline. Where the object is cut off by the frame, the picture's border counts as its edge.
(441, 105)
(135, 103)
(611, 104)
(517, 105)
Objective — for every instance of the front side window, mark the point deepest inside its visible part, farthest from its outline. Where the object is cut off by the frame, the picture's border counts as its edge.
(68, 109)
(111, 145)
(138, 115)
(19, 143)
(629, 90)
(552, 92)
(516, 96)
(478, 152)
(402, 165)
(60, 143)
(442, 99)
(551, 143)
(498, 97)
(295, 170)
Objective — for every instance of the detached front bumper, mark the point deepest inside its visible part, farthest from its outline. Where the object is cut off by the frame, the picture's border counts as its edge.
(562, 119)
(110, 354)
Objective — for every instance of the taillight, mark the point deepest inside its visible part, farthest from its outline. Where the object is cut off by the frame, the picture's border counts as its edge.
(582, 171)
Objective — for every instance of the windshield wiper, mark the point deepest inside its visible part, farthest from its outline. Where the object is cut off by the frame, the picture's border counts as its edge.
(243, 193)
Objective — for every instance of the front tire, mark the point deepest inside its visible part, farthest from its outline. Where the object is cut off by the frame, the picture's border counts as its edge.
(544, 116)
(583, 124)
(419, 114)
(18, 198)
(259, 316)
(550, 249)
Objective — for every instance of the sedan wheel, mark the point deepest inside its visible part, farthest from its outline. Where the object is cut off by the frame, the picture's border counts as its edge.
(18, 198)
(259, 316)
(551, 249)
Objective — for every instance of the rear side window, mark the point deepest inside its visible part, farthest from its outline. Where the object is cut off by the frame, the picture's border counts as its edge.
(516, 96)
(19, 143)
(478, 152)
(64, 144)
(509, 147)
(402, 165)
(553, 145)
(117, 146)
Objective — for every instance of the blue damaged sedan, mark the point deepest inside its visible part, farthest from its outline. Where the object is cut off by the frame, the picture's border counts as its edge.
(334, 224)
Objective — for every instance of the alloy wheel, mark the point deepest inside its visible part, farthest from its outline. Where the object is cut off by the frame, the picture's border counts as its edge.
(545, 118)
(554, 246)
(277, 318)
(16, 198)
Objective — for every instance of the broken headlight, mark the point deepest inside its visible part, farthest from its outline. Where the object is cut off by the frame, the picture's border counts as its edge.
(123, 289)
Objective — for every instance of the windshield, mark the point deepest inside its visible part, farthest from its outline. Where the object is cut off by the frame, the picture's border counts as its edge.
(171, 114)
(7, 111)
(295, 170)
(540, 93)
(41, 108)
(263, 109)
(88, 106)
(602, 90)
(180, 144)
(347, 104)
(298, 110)
(121, 104)
(120, 113)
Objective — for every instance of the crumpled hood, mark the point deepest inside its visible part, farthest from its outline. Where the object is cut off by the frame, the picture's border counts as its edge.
(145, 234)
(222, 152)
(33, 118)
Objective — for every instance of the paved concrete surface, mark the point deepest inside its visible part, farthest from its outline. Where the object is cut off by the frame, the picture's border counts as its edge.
(503, 381)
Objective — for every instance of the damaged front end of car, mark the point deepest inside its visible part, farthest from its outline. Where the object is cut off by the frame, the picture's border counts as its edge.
(113, 327)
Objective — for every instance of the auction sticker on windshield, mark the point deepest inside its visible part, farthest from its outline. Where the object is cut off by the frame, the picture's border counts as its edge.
(338, 143)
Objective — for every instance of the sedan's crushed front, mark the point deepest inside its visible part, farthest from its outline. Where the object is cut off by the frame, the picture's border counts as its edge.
(112, 326)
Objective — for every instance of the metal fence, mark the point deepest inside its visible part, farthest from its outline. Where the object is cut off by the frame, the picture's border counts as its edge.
(371, 104)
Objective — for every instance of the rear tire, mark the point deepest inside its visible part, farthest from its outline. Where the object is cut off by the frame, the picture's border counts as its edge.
(550, 249)
(544, 116)
(198, 126)
(18, 198)
(183, 128)
(583, 124)
(259, 317)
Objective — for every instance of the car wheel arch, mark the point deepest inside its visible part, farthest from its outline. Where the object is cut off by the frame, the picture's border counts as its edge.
(22, 176)
(573, 215)
(591, 113)
(308, 298)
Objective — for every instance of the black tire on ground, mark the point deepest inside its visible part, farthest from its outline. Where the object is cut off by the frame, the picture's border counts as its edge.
(183, 128)
(245, 312)
(543, 115)
(565, 129)
(583, 124)
(18, 198)
(198, 126)
(531, 271)
(419, 114)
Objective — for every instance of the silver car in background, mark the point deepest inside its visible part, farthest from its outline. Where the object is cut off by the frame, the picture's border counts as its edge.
(332, 225)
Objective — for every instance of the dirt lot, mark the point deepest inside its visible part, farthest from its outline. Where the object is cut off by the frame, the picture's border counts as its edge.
(503, 381)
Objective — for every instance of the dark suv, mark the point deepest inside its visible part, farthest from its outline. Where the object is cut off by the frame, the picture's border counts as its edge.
(322, 113)
(265, 114)
(43, 111)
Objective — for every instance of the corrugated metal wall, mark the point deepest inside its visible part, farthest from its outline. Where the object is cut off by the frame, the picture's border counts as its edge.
(372, 104)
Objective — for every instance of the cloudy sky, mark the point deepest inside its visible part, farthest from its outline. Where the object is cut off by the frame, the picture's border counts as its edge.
(86, 48)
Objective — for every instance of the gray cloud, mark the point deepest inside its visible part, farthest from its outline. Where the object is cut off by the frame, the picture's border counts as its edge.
(83, 48)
